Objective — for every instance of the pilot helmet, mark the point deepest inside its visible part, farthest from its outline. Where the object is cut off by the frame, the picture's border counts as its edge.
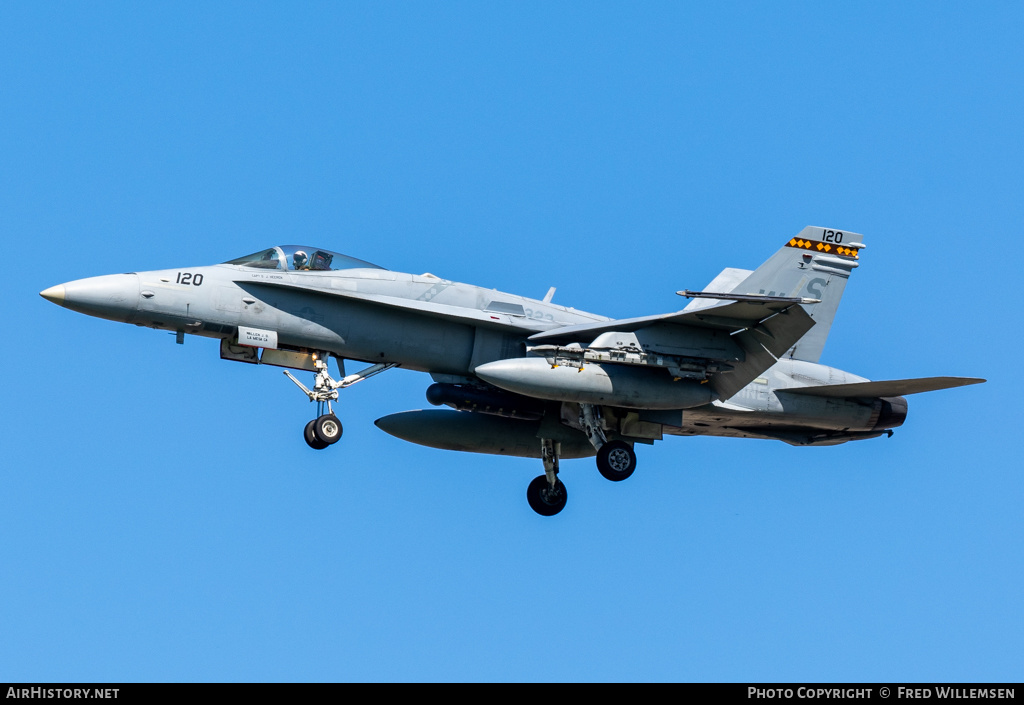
(299, 259)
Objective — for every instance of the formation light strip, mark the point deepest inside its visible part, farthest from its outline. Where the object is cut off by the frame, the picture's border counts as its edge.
(824, 247)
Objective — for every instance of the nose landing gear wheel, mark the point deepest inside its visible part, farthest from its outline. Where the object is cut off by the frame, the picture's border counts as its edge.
(327, 429)
(545, 499)
(311, 440)
(616, 460)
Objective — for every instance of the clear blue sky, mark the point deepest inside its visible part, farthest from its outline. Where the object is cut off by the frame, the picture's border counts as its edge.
(160, 516)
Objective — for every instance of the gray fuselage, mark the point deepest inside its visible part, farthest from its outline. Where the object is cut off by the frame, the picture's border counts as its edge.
(444, 328)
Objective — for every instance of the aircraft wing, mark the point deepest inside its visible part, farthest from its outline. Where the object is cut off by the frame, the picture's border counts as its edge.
(729, 316)
(890, 388)
(765, 327)
(461, 314)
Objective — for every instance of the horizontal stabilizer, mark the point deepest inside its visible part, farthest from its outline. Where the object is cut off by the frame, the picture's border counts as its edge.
(890, 388)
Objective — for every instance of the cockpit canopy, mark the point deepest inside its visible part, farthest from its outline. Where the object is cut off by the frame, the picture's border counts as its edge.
(301, 258)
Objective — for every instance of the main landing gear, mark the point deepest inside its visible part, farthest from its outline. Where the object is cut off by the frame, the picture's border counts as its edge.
(326, 429)
(546, 494)
(616, 461)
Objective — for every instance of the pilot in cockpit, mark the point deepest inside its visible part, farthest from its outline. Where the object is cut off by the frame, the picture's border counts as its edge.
(300, 260)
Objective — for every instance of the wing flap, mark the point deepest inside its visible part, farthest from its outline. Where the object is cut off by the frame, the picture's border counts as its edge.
(889, 388)
(763, 343)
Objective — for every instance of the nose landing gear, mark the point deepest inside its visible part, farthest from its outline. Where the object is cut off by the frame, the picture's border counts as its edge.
(311, 440)
(322, 431)
(326, 429)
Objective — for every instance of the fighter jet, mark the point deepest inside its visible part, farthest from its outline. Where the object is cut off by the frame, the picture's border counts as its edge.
(530, 378)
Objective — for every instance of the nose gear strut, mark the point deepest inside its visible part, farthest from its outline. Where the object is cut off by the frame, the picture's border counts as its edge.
(326, 429)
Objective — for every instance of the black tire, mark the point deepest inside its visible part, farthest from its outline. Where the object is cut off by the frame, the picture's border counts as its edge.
(616, 460)
(327, 429)
(311, 440)
(543, 499)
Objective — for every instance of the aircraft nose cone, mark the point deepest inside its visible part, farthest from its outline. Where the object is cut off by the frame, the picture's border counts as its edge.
(113, 296)
(54, 294)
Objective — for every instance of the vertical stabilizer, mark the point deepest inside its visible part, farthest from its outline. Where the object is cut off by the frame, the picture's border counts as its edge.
(815, 264)
(724, 283)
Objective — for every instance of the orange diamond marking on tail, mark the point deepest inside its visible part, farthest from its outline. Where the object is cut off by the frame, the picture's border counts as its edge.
(828, 248)
(792, 243)
(820, 247)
